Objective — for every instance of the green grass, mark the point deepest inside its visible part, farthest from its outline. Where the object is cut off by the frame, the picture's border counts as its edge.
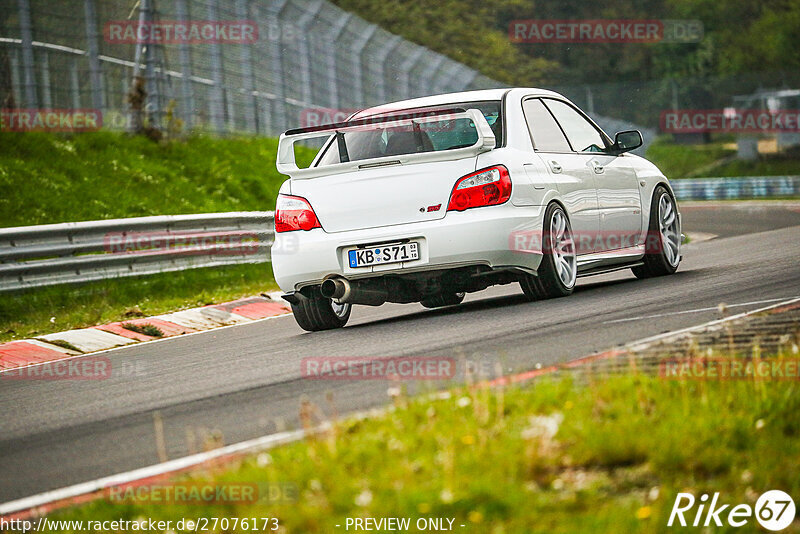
(715, 160)
(50, 178)
(785, 164)
(557, 457)
(683, 161)
(146, 329)
(52, 309)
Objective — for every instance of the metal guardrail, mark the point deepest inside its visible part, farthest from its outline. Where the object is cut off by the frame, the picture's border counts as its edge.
(51, 254)
(35, 256)
(746, 187)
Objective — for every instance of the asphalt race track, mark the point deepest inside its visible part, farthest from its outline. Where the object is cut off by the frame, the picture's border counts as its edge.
(245, 381)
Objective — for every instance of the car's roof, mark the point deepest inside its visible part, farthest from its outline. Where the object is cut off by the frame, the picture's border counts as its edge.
(452, 98)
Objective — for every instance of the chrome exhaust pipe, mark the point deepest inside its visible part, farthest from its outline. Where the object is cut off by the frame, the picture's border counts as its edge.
(334, 288)
(346, 292)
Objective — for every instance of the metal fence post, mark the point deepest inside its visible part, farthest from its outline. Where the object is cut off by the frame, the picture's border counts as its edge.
(246, 59)
(467, 77)
(28, 70)
(441, 85)
(381, 58)
(153, 106)
(47, 99)
(93, 48)
(74, 84)
(185, 59)
(16, 99)
(405, 72)
(333, 81)
(358, 72)
(427, 75)
(278, 115)
(217, 96)
(305, 50)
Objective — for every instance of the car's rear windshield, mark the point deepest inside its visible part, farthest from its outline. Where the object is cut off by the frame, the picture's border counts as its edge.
(431, 136)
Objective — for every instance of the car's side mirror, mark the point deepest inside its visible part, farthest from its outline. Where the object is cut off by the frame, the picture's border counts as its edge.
(626, 141)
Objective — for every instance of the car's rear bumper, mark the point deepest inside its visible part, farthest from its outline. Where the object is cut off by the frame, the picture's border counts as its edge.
(482, 236)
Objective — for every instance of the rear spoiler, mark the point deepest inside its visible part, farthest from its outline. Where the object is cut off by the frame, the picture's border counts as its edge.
(286, 162)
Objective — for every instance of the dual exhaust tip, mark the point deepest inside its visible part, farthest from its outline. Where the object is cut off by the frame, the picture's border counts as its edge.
(346, 292)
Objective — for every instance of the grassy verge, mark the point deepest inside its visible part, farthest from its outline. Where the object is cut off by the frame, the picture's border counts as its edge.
(52, 309)
(605, 456)
(787, 163)
(715, 159)
(682, 161)
(50, 178)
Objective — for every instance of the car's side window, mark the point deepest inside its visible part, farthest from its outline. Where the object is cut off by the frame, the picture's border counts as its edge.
(581, 133)
(545, 132)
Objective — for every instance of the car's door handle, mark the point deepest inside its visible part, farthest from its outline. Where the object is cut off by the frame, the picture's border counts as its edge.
(598, 169)
(555, 166)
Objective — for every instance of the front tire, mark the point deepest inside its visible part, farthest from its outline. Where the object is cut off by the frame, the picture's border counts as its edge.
(559, 268)
(663, 242)
(320, 313)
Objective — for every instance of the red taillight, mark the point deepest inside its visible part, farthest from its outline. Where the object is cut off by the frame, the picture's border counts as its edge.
(486, 187)
(294, 213)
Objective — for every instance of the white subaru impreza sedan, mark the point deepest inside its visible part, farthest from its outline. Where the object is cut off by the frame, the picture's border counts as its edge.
(427, 199)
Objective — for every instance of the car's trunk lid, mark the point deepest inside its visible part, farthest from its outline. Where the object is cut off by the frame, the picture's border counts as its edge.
(383, 196)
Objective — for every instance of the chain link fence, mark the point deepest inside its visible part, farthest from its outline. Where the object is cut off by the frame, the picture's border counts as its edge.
(305, 54)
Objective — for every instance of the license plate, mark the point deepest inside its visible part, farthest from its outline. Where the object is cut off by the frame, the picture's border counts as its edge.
(383, 254)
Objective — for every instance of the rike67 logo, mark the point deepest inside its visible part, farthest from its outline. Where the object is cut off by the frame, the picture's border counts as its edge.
(774, 510)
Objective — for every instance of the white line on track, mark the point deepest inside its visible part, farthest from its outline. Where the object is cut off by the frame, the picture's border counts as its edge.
(178, 464)
(697, 310)
(272, 440)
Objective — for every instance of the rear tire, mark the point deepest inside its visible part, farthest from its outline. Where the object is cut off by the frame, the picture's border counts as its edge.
(558, 271)
(319, 313)
(662, 243)
(443, 299)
